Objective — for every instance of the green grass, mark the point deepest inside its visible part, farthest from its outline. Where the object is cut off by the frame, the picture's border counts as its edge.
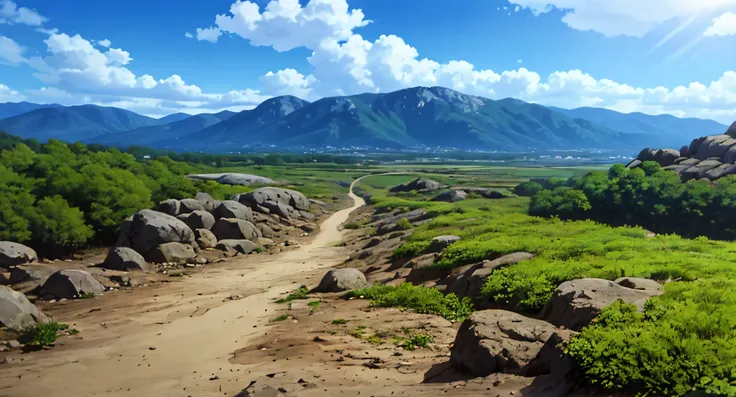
(418, 299)
(87, 295)
(299, 293)
(281, 318)
(414, 341)
(339, 321)
(43, 334)
(313, 306)
(176, 274)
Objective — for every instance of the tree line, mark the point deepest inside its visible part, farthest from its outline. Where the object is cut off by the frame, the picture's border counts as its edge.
(648, 196)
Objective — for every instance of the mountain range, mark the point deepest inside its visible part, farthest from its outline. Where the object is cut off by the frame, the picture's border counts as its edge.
(420, 116)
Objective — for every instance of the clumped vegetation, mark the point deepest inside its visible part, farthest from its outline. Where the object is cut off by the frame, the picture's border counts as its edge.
(649, 197)
(418, 299)
(299, 293)
(43, 334)
(413, 341)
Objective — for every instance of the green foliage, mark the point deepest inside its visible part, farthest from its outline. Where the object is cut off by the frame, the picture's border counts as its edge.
(414, 341)
(528, 189)
(683, 341)
(55, 224)
(403, 224)
(87, 295)
(411, 249)
(299, 293)
(313, 306)
(43, 334)
(339, 321)
(373, 340)
(418, 299)
(281, 318)
(351, 226)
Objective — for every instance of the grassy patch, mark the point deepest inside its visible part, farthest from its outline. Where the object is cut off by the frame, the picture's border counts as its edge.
(281, 318)
(418, 299)
(351, 226)
(313, 306)
(339, 321)
(300, 293)
(357, 332)
(87, 295)
(176, 274)
(43, 334)
(414, 341)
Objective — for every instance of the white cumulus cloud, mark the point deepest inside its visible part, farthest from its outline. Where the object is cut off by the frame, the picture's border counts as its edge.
(208, 34)
(9, 95)
(723, 25)
(624, 17)
(10, 51)
(105, 43)
(10, 13)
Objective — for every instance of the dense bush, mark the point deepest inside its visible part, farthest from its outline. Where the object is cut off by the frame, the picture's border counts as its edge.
(649, 197)
(685, 340)
(418, 299)
(58, 198)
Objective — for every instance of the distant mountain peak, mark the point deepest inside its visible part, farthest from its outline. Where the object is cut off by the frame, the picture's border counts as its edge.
(281, 105)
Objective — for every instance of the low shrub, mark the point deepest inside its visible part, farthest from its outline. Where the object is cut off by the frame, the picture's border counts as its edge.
(299, 293)
(403, 224)
(43, 334)
(418, 299)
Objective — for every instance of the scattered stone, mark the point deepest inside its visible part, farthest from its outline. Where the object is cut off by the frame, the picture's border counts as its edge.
(33, 272)
(233, 210)
(275, 195)
(339, 280)
(234, 179)
(123, 258)
(171, 253)
(576, 303)
(469, 280)
(207, 201)
(451, 196)
(439, 243)
(148, 229)
(17, 312)
(492, 341)
(70, 284)
(238, 246)
(198, 219)
(418, 185)
(205, 238)
(190, 205)
(169, 207)
(14, 254)
(235, 229)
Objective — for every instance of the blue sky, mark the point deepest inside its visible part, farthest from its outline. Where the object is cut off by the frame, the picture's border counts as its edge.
(668, 56)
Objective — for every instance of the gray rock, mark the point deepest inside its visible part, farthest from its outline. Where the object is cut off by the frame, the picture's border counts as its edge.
(233, 209)
(695, 145)
(373, 242)
(169, 207)
(666, 157)
(721, 171)
(207, 201)
(205, 238)
(646, 155)
(634, 163)
(639, 283)
(238, 246)
(235, 179)
(190, 205)
(732, 130)
(468, 280)
(439, 243)
(34, 272)
(699, 170)
(418, 185)
(70, 284)
(274, 194)
(14, 254)
(235, 229)
(266, 230)
(714, 146)
(451, 196)
(690, 161)
(685, 151)
(198, 219)
(493, 341)
(319, 202)
(576, 303)
(123, 258)
(678, 168)
(171, 253)
(340, 280)
(280, 209)
(16, 312)
(149, 229)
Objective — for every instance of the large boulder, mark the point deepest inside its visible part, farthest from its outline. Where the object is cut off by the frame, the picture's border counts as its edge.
(205, 238)
(492, 341)
(417, 185)
(17, 313)
(275, 195)
(236, 246)
(439, 243)
(732, 130)
(234, 179)
(666, 157)
(190, 205)
(468, 280)
(714, 146)
(646, 155)
(171, 253)
(340, 280)
(700, 169)
(13, 254)
(124, 258)
(235, 229)
(148, 229)
(207, 201)
(639, 283)
(721, 171)
(233, 209)
(576, 303)
(169, 207)
(34, 272)
(198, 219)
(451, 196)
(70, 284)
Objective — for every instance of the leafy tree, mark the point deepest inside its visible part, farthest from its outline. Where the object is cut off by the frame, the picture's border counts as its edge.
(56, 225)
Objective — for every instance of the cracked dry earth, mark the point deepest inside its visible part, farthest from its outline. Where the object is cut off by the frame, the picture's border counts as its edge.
(214, 334)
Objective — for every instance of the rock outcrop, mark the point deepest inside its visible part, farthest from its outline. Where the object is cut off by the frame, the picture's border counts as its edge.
(285, 203)
(190, 205)
(236, 246)
(235, 179)
(169, 207)
(709, 157)
(171, 253)
(31, 273)
(439, 243)
(340, 280)
(417, 185)
(124, 258)
(198, 219)
(235, 229)
(205, 238)
(70, 284)
(233, 209)
(207, 201)
(451, 196)
(148, 229)
(492, 341)
(17, 313)
(639, 283)
(468, 280)
(13, 254)
(576, 303)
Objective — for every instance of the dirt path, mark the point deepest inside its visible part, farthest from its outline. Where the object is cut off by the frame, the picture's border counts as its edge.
(173, 339)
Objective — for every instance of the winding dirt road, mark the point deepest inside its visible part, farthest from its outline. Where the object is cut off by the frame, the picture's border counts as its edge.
(172, 339)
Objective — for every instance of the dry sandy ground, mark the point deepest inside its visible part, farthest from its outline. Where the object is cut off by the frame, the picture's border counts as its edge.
(213, 333)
